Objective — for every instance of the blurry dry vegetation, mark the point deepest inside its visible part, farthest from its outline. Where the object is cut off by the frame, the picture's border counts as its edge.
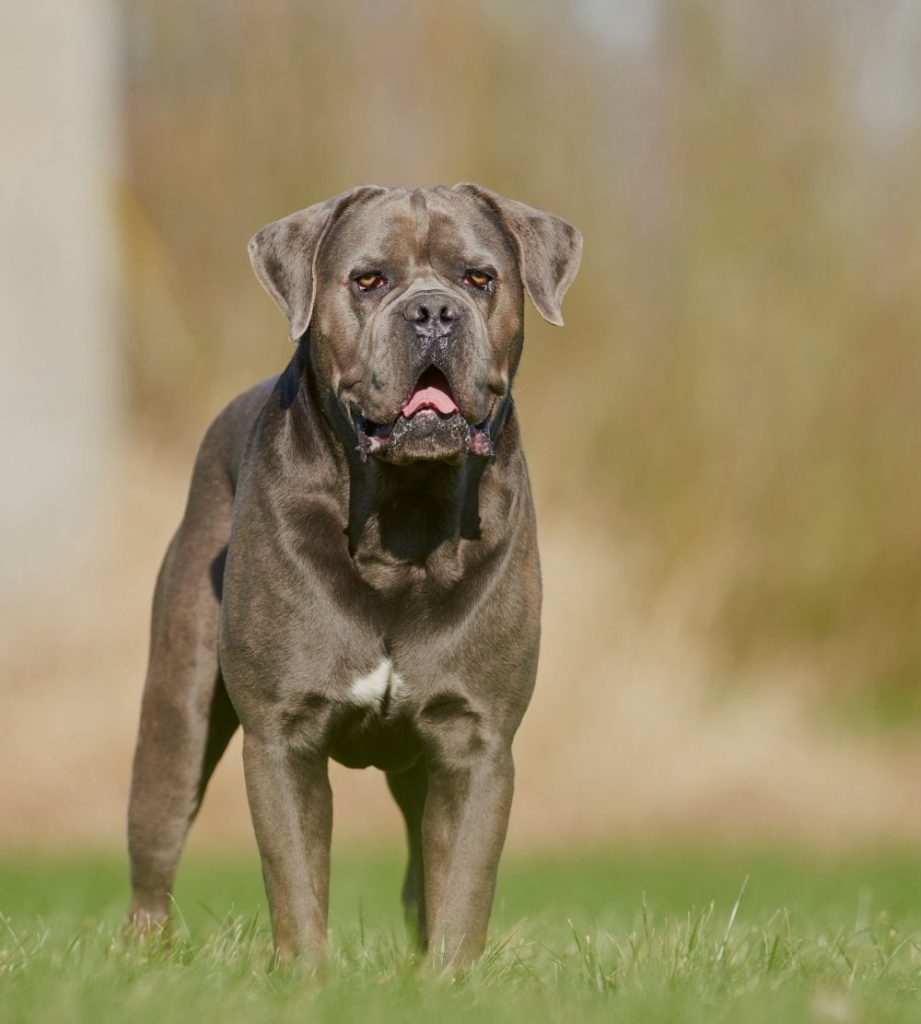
(736, 398)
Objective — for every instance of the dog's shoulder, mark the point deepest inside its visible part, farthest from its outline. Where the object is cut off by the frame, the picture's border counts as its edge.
(225, 439)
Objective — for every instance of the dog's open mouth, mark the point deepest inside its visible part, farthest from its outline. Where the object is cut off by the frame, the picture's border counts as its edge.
(429, 426)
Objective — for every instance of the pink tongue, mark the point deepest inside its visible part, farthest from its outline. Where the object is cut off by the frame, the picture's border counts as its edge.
(429, 396)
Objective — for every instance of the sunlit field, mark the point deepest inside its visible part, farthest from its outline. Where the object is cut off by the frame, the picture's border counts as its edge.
(691, 937)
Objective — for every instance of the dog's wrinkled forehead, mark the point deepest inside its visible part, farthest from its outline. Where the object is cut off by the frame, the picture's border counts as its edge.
(416, 231)
(444, 227)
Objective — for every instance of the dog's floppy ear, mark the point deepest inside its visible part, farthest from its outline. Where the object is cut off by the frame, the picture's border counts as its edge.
(549, 249)
(284, 255)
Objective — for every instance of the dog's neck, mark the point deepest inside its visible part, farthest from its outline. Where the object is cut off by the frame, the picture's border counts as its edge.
(409, 512)
(405, 513)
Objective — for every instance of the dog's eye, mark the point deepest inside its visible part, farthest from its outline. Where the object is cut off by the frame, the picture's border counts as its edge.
(478, 279)
(368, 282)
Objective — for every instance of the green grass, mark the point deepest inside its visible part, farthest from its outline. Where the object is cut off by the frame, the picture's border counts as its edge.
(662, 936)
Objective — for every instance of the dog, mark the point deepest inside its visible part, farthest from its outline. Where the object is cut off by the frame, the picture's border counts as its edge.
(356, 573)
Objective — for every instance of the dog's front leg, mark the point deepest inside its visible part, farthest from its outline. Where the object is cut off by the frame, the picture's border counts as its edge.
(463, 831)
(291, 804)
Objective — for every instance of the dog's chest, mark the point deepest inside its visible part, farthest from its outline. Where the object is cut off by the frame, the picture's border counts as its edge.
(377, 688)
(374, 724)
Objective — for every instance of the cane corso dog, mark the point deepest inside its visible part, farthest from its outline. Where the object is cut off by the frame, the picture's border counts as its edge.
(356, 574)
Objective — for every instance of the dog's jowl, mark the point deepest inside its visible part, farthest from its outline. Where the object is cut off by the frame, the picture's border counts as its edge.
(356, 573)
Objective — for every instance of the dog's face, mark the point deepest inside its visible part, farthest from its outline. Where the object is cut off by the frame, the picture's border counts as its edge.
(414, 300)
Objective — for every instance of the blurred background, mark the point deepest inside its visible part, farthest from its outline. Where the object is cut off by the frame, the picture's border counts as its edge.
(724, 439)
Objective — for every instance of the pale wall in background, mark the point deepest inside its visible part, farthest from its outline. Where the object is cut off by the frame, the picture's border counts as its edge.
(57, 357)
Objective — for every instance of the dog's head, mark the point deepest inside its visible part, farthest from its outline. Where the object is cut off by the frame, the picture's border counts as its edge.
(414, 299)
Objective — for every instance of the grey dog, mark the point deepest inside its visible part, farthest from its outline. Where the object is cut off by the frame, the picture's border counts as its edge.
(356, 574)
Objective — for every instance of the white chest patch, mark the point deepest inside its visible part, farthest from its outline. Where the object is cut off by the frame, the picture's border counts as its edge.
(371, 689)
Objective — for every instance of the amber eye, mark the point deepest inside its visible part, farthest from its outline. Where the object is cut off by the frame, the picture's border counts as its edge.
(478, 279)
(368, 282)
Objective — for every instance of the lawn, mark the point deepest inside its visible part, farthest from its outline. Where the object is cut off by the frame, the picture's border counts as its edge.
(640, 936)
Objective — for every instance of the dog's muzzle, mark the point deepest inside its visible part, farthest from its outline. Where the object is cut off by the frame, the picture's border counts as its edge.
(430, 426)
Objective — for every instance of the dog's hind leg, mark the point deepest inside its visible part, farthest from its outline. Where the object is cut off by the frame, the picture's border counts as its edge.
(409, 789)
(187, 719)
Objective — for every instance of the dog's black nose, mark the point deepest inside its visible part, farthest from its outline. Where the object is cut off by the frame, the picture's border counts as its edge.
(432, 309)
